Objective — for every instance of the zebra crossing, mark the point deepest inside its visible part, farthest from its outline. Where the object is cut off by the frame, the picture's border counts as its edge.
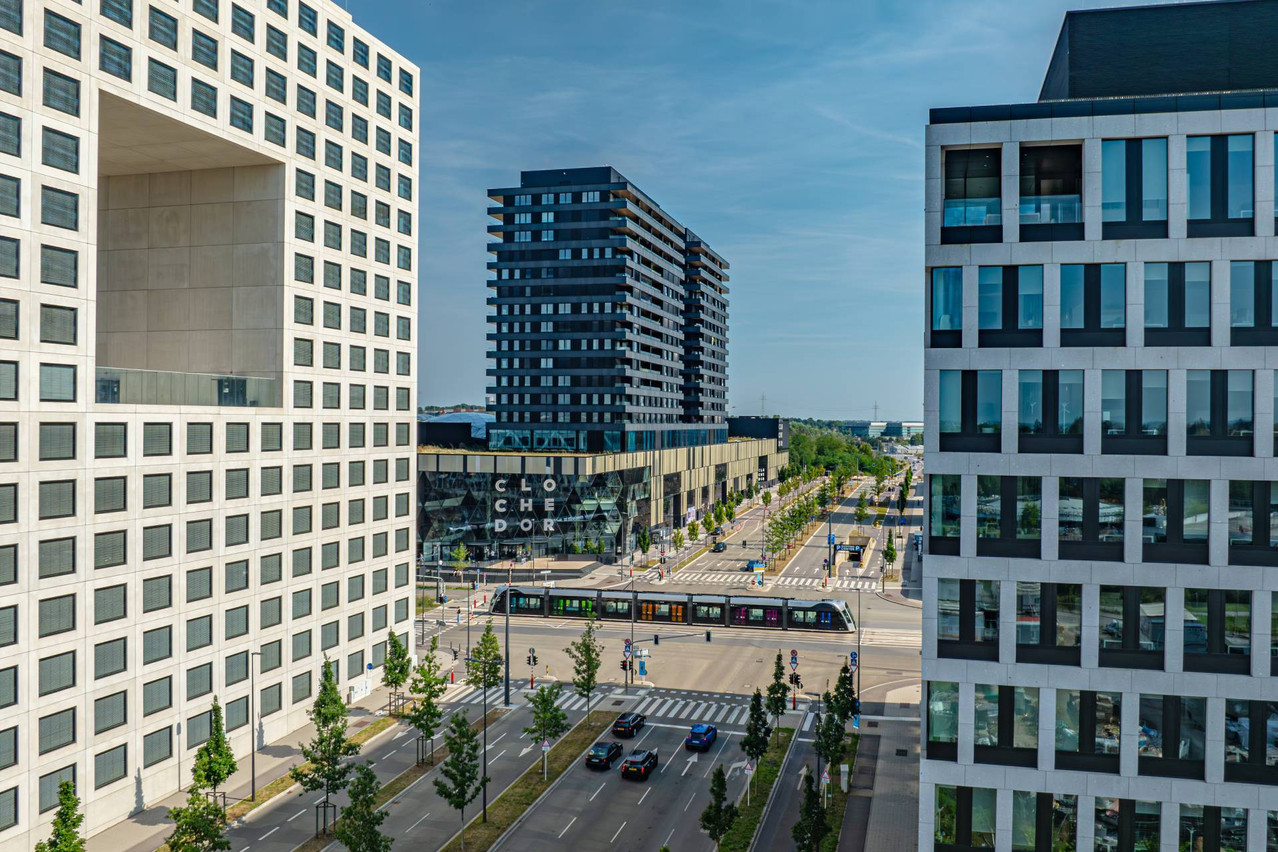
(733, 578)
(472, 697)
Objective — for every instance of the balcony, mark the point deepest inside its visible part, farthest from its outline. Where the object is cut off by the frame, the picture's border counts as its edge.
(158, 387)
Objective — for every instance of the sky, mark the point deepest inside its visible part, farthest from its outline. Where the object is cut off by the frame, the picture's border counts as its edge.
(787, 133)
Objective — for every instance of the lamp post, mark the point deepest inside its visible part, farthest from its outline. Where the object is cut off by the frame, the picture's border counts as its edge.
(253, 724)
(509, 597)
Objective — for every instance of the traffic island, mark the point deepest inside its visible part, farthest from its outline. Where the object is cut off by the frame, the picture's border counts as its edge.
(515, 801)
(741, 834)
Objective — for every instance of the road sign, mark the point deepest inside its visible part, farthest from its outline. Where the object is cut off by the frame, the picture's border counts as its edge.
(825, 775)
(830, 539)
(625, 652)
(534, 650)
(852, 656)
(793, 653)
(545, 746)
(748, 768)
(856, 722)
(643, 668)
(852, 668)
(794, 663)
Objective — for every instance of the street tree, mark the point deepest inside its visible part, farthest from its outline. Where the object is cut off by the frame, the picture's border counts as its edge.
(483, 669)
(549, 722)
(677, 539)
(889, 553)
(844, 701)
(767, 498)
(428, 686)
(861, 510)
(644, 540)
(812, 827)
(459, 558)
(902, 498)
(755, 741)
(326, 767)
(66, 823)
(694, 530)
(720, 814)
(198, 826)
(461, 781)
(828, 736)
(360, 830)
(214, 762)
(778, 692)
(396, 668)
(587, 656)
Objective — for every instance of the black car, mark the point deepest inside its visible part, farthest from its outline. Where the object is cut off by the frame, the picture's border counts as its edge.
(717, 531)
(640, 764)
(628, 724)
(719, 547)
(603, 754)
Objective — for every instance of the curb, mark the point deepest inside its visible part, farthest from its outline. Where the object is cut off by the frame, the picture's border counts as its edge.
(767, 806)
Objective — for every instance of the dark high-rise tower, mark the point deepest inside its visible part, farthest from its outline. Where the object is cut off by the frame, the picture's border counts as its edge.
(609, 319)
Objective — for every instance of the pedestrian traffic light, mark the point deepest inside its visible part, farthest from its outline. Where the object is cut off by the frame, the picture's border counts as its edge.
(656, 638)
(623, 665)
(707, 635)
(856, 707)
(530, 659)
(454, 655)
(534, 659)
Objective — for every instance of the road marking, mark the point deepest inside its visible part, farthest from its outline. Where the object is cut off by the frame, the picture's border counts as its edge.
(498, 757)
(320, 799)
(739, 711)
(717, 755)
(668, 836)
(419, 822)
(596, 793)
(401, 733)
(568, 826)
(296, 815)
(614, 837)
(644, 796)
(688, 765)
(494, 742)
(807, 721)
(690, 799)
(724, 712)
(685, 727)
(802, 772)
(269, 833)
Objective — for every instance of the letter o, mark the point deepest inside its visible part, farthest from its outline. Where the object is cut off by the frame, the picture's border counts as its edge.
(548, 485)
(526, 524)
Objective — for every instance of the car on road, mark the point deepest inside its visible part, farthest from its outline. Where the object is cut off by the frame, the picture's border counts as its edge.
(701, 737)
(641, 763)
(755, 565)
(717, 531)
(603, 754)
(719, 547)
(628, 724)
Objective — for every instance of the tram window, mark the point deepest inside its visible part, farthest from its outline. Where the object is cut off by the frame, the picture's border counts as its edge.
(802, 617)
(621, 608)
(709, 612)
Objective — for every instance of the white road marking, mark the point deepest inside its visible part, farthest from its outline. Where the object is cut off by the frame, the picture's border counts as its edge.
(807, 721)
(269, 833)
(724, 712)
(296, 815)
(568, 826)
(498, 757)
(645, 795)
(614, 837)
(494, 742)
(690, 799)
(419, 822)
(596, 793)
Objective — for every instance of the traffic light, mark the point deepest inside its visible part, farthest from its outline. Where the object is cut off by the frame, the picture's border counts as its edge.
(454, 655)
(707, 635)
(798, 682)
(656, 638)
(856, 707)
(530, 659)
(534, 660)
(623, 665)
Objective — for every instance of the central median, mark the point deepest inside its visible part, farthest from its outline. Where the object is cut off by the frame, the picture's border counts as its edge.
(741, 834)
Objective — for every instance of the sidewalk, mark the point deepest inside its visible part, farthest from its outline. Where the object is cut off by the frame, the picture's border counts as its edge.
(884, 804)
(147, 829)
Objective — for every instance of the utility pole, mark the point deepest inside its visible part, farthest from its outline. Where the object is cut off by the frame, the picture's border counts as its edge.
(510, 594)
(876, 409)
(829, 541)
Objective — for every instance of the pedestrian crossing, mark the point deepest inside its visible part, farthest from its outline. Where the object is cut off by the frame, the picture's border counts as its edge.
(892, 638)
(735, 578)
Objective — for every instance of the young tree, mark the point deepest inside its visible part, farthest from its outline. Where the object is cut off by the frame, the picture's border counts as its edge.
(889, 553)
(767, 498)
(428, 685)
(66, 823)
(459, 558)
(644, 540)
(586, 655)
(755, 741)
(483, 669)
(359, 829)
(861, 510)
(694, 530)
(214, 762)
(902, 498)
(326, 767)
(778, 692)
(548, 721)
(828, 737)
(811, 828)
(844, 701)
(720, 814)
(461, 780)
(677, 539)
(396, 668)
(199, 826)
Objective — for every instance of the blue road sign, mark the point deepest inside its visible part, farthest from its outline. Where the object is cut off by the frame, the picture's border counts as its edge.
(831, 538)
(856, 723)
(643, 668)
(852, 657)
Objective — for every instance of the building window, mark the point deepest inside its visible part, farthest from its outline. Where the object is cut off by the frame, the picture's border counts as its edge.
(1219, 174)
(942, 720)
(1088, 727)
(1217, 631)
(1213, 828)
(1050, 411)
(945, 513)
(964, 819)
(973, 205)
(1127, 824)
(1051, 192)
(1093, 304)
(1049, 619)
(1250, 757)
(1175, 736)
(1009, 516)
(1175, 520)
(1006, 725)
(1218, 412)
(971, 415)
(1010, 306)
(1253, 523)
(967, 613)
(1131, 627)
(1091, 514)
(1134, 189)
(1178, 304)
(1253, 303)
(1134, 412)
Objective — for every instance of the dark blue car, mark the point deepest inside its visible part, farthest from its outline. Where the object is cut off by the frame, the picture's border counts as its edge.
(701, 737)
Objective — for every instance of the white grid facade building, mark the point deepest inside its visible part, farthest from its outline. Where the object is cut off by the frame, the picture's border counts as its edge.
(208, 275)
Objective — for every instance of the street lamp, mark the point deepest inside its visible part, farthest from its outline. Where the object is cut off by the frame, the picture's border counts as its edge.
(253, 723)
(509, 596)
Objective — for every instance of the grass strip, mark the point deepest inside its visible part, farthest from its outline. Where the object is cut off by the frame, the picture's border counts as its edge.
(519, 796)
(401, 782)
(765, 777)
(838, 804)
